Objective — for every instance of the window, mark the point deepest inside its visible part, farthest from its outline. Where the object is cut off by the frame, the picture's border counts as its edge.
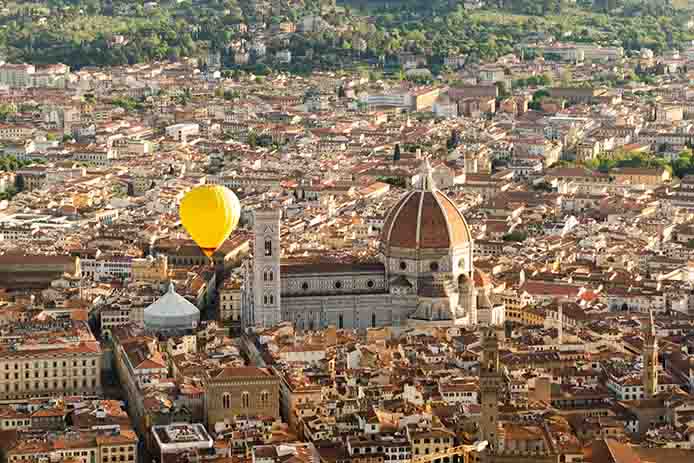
(434, 266)
(268, 248)
(245, 400)
(226, 400)
(370, 283)
(304, 286)
(373, 320)
(265, 398)
(340, 322)
(403, 265)
(338, 284)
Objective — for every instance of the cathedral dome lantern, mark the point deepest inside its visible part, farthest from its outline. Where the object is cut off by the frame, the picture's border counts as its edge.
(425, 218)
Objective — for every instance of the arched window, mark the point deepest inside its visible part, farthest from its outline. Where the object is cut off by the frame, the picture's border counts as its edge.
(226, 400)
(265, 398)
(264, 276)
(272, 299)
(265, 299)
(373, 320)
(245, 400)
(270, 275)
(268, 247)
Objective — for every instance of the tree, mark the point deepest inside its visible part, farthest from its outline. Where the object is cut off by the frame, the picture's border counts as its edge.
(394, 181)
(502, 90)
(396, 152)
(252, 139)
(6, 110)
(518, 236)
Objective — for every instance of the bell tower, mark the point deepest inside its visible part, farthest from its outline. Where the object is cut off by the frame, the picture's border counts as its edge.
(650, 358)
(266, 268)
(491, 383)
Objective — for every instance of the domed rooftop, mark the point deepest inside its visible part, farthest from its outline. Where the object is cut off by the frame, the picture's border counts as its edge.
(171, 312)
(425, 219)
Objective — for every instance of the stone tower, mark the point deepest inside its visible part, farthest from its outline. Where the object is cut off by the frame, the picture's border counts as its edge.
(491, 383)
(650, 359)
(266, 269)
(560, 327)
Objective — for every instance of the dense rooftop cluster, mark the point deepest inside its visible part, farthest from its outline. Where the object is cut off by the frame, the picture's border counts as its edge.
(489, 261)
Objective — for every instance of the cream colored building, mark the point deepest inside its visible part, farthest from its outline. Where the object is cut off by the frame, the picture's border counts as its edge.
(115, 315)
(150, 269)
(430, 442)
(49, 362)
(641, 176)
(71, 370)
(17, 75)
(230, 302)
(80, 447)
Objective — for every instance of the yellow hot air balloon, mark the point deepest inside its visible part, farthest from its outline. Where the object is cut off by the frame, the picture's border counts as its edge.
(209, 213)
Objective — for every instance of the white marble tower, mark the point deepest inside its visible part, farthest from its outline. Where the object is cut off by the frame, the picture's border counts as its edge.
(266, 269)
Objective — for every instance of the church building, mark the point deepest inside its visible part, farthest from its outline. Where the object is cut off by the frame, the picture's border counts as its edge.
(424, 276)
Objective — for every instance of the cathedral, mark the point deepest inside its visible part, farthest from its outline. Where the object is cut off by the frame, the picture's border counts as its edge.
(424, 277)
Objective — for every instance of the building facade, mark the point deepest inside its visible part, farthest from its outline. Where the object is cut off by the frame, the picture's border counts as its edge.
(230, 303)
(233, 392)
(41, 362)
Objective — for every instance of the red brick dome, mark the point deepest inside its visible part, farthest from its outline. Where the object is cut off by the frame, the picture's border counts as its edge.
(425, 219)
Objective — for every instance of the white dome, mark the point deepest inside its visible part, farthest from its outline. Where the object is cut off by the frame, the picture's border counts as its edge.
(171, 312)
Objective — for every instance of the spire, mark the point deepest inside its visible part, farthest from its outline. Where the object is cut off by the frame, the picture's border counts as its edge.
(650, 358)
(426, 177)
(649, 330)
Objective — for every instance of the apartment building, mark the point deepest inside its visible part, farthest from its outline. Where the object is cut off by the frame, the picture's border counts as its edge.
(230, 302)
(16, 75)
(83, 447)
(49, 357)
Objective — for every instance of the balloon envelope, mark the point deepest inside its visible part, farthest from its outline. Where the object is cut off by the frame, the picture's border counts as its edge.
(209, 213)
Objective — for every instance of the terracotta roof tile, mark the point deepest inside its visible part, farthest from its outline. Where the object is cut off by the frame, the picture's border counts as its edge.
(425, 219)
